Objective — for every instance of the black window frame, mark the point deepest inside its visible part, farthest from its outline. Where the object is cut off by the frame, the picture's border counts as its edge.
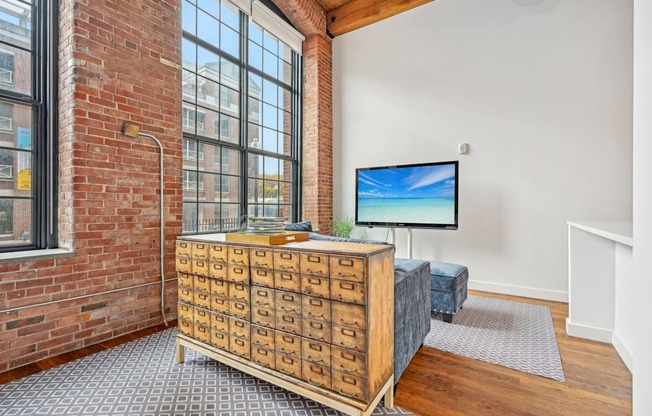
(43, 102)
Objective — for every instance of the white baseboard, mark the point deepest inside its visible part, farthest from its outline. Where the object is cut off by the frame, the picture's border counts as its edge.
(527, 292)
(589, 332)
(623, 350)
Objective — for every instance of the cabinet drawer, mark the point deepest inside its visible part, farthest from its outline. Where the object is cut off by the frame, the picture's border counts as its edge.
(262, 337)
(319, 330)
(264, 297)
(202, 333)
(262, 258)
(347, 268)
(238, 274)
(349, 385)
(316, 375)
(217, 253)
(184, 249)
(200, 267)
(314, 264)
(217, 270)
(287, 281)
(348, 291)
(185, 311)
(202, 299)
(287, 344)
(219, 304)
(316, 352)
(220, 339)
(239, 292)
(186, 295)
(263, 316)
(219, 322)
(185, 326)
(347, 314)
(238, 256)
(219, 288)
(349, 361)
(316, 308)
(185, 280)
(184, 265)
(262, 277)
(201, 284)
(288, 302)
(286, 261)
(288, 365)
(316, 286)
(288, 322)
(353, 338)
(202, 316)
(239, 328)
(200, 251)
(240, 347)
(263, 356)
(239, 309)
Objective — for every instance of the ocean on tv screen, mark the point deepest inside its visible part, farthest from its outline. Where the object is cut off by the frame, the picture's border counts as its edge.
(417, 195)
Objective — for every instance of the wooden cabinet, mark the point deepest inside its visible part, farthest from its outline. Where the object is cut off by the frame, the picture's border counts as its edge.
(314, 317)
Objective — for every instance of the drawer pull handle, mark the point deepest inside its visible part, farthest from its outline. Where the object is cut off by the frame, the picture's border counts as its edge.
(340, 274)
(289, 298)
(286, 276)
(261, 272)
(238, 270)
(348, 332)
(288, 339)
(239, 306)
(238, 251)
(314, 383)
(314, 281)
(262, 312)
(347, 394)
(239, 286)
(262, 332)
(347, 356)
(262, 351)
(288, 319)
(315, 302)
(314, 259)
(262, 293)
(349, 380)
(201, 329)
(346, 286)
(316, 325)
(218, 335)
(260, 253)
(315, 347)
(239, 342)
(345, 262)
(240, 324)
(286, 256)
(183, 245)
(287, 360)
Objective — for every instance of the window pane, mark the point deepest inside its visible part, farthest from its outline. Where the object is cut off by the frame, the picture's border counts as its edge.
(255, 56)
(256, 187)
(255, 165)
(254, 138)
(211, 7)
(270, 116)
(285, 72)
(230, 161)
(16, 23)
(270, 64)
(208, 92)
(256, 33)
(271, 167)
(255, 86)
(284, 122)
(189, 86)
(15, 221)
(230, 15)
(208, 183)
(229, 101)
(270, 43)
(229, 129)
(269, 142)
(255, 110)
(284, 194)
(207, 64)
(285, 99)
(207, 28)
(284, 52)
(189, 51)
(230, 217)
(15, 69)
(230, 189)
(230, 41)
(270, 92)
(286, 171)
(189, 18)
(15, 173)
(15, 125)
(230, 74)
(190, 186)
(285, 144)
(189, 218)
(206, 218)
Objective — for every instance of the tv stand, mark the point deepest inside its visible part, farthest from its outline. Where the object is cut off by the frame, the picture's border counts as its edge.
(409, 240)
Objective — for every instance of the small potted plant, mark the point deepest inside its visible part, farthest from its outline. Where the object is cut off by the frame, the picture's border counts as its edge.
(342, 227)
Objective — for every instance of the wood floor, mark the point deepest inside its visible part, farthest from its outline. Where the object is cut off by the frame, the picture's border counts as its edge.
(440, 383)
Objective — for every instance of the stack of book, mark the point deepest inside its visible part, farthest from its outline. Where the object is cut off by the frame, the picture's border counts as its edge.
(265, 226)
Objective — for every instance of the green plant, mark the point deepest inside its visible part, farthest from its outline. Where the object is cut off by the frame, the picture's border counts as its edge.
(342, 227)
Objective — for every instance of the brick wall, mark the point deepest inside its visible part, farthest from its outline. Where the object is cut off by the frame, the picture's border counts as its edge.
(119, 60)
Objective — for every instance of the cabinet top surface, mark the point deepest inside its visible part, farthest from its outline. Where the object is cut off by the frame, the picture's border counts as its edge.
(310, 245)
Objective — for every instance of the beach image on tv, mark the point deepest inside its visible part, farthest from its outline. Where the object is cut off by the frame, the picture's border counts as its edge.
(416, 195)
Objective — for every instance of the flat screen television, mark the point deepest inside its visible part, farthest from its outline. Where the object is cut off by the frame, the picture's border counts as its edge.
(412, 196)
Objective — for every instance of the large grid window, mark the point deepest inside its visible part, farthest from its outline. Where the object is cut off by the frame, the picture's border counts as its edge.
(26, 91)
(241, 112)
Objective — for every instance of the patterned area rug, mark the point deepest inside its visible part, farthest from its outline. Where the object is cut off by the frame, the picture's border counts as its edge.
(512, 334)
(141, 378)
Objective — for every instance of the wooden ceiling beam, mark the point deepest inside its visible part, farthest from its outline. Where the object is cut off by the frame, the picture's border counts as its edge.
(359, 13)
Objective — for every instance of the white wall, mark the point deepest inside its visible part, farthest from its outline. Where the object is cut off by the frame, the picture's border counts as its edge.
(642, 345)
(542, 91)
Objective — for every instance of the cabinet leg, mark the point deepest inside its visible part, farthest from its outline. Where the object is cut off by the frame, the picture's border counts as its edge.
(448, 318)
(389, 395)
(181, 352)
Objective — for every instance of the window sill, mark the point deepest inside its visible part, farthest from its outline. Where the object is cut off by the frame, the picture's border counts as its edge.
(31, 255)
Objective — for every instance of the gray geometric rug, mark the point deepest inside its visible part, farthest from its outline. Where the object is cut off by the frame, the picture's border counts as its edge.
(141, 378)
(512, 334)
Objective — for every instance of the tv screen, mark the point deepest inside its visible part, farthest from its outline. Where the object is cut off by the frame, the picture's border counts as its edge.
(417, 196)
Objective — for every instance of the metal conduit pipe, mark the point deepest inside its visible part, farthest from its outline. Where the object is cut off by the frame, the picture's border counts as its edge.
(133, 131)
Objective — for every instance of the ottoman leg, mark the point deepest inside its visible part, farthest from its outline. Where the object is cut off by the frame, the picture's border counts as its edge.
(448, 318)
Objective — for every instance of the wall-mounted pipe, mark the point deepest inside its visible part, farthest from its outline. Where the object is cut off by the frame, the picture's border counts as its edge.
(133, 131)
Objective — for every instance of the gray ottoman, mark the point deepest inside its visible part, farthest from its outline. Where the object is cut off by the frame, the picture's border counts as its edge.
(448, 287)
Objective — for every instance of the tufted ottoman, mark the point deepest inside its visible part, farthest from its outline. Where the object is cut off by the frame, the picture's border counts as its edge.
(448, 285)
